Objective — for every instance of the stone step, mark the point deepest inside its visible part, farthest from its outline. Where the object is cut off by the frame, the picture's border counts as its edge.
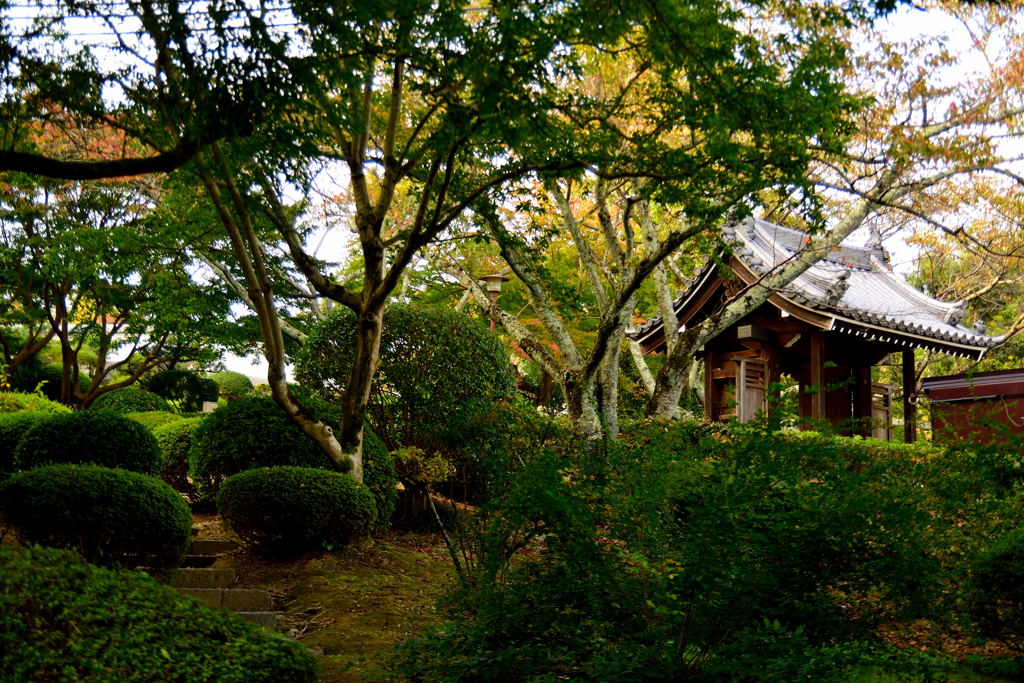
(248, 600)
(197, 561)
(211, 546)
(266, 619)
(202, 578)
(234, 599)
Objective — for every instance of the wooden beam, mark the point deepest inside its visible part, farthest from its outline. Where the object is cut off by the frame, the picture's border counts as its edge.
(863, 401)
(817, 375)
(909, 406)
(710, 397)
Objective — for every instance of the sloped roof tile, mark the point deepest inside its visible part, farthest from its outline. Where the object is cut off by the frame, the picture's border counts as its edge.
(852, 283)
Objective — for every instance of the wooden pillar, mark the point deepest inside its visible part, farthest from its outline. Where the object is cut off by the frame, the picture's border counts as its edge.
(862, 399)
(711, 399)
(909, 408)
(817, 375)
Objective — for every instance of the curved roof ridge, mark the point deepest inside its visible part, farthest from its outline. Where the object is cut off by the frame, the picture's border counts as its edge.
(941, 308)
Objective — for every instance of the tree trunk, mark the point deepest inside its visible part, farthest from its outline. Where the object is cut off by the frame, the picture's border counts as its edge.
(646, 376)
(609, 403)
(581, 404)
(247, 250)
(366, 358)
(668, 389)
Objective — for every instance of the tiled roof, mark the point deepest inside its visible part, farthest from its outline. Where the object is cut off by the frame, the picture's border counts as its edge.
(854, 285)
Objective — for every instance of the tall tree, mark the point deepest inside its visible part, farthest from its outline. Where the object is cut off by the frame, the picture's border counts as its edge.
(449, 104)
(83, 264)
(704, 142)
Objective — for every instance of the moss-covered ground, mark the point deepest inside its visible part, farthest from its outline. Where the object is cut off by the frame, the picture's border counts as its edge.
(353, 605)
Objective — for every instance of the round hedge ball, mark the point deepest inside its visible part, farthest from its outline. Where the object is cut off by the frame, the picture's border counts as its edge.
(111, 516)
(438, 369)
(13, 427)
(245, 434)
(284, 511)
(232, 385)
(92, 436)
(133, 399)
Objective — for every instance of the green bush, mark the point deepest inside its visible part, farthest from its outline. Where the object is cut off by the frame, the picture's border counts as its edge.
(232, 385)
(439, 369)
(379, 476)
(64, 620)
(93, 436)
(109, 515)
(12, 427)
(183, 389)
(174, 440)
(132, 399)
(998, 584)
(153, 418)
(282, 511)
(681, 552)
(47, 378)
(14, 401)
(246, 434)
(493, 445)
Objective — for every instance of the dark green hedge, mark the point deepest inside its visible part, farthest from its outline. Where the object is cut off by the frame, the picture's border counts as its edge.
(64, 620)
(12, 427)
(438, 370)
(133, 399)
(93, 436)
(183, 389)
(111, 516)
(283, 511)
(246, 434)
(48, 378)
(175, 440)
(682, 552)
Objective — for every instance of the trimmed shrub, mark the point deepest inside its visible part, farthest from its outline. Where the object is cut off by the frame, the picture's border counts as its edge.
(14, 401)
(284, 511)
(12, 427)
(232, 385)
(153, 418)
(63, 619)
(380, 477)
(131, 399)
(109, 515)
(183, 389)
(175, 440)
(93, 436)
(438, 370)
(246, 434)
